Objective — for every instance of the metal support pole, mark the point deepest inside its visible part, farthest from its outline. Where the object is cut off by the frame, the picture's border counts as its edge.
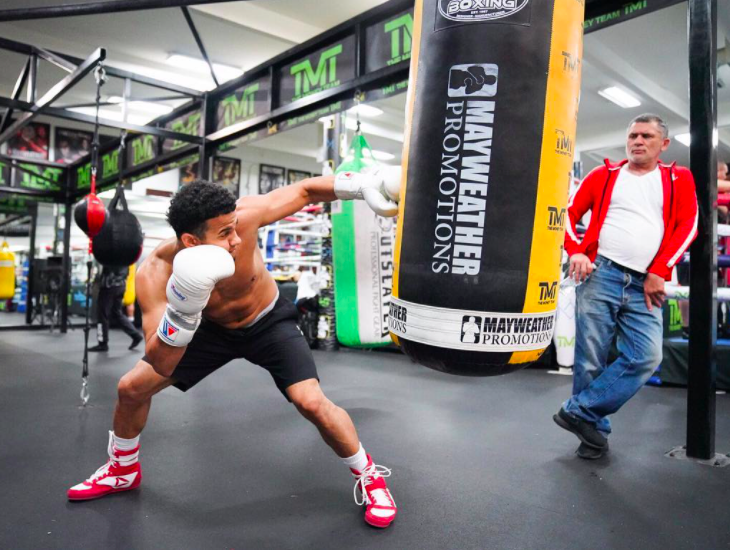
(66, 280)
(703, 272)
(7, 118)
(199, 42)
(32, 95)
(206, 149)
(31, 265)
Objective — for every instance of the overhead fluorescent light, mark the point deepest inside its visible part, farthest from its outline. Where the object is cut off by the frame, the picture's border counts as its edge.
(143, 106)
(367, 111)
(619, 97)
(382, 155)
(139, 120)
(223, 72)
(686, 139)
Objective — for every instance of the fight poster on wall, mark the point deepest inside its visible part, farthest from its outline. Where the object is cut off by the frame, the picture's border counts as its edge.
(227, 172)
(70, 145)
(294, 176)
(30, 142)
(271, 177)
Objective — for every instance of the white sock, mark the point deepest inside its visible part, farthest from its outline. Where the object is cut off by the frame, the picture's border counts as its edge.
(358, 461)
(121, 444)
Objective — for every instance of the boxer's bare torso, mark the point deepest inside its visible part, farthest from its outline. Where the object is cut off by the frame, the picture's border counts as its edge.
(235, 301)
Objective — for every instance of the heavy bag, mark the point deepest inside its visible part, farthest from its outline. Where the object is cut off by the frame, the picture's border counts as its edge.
(119, 243)
(90, 215)
(7, 272)
(491, 116)
(362, 260)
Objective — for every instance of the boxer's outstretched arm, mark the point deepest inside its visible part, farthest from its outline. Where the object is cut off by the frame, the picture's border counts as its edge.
(285, 201)
(379, 188)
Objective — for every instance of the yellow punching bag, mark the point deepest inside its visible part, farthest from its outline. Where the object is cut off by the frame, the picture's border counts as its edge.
(7, 272)
(491, 116)
(129, 295)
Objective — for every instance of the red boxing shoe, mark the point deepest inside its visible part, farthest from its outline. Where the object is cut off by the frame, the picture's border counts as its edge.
(371, 490)
(112, 477)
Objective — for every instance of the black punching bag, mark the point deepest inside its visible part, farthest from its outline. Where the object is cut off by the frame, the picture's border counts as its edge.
(491, 117)
(119, 244)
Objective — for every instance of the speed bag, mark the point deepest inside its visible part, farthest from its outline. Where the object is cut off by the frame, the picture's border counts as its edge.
(7, 272)
(490, 131)
(362, 261)
(119, 244)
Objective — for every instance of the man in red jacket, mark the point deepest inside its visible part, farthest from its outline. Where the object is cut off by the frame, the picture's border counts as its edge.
(643, 218)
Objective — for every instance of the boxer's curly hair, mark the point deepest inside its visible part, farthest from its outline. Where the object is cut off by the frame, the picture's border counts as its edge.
(194, 204)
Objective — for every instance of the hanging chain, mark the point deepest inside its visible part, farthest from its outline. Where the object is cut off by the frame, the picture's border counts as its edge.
(100, 77)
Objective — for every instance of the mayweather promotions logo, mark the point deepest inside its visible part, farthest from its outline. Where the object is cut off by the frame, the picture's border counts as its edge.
(473, 80)
(471, 328)
(465, 11)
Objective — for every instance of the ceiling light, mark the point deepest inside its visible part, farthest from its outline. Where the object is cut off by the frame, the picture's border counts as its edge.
(619, 97)
(686, 139)
(143, 106)
(382, 155)
(367, 111)
(223, 72)
(139, 120)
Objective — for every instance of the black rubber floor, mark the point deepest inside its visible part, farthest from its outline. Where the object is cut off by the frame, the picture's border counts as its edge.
(478, 463)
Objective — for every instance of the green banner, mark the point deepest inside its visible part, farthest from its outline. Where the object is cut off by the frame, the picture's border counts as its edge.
(30, 181)
(244, 103)
(389, 42)
(14, 204)
(140, 150)
(190, 124)
(326, 68)
(4, 173)
(627, 11)
(109, 168)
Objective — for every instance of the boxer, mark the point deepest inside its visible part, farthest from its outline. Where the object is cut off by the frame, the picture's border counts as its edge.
(207, 298)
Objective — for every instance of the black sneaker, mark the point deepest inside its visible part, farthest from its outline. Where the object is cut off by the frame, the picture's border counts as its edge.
(591, 453)
(135, 341)
(100, 347)
(583, 430)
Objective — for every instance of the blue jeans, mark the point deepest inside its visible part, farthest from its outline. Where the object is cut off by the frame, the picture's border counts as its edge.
(611, 302)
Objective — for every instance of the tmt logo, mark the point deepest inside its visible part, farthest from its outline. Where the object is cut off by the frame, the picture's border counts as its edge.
(143, 150)
(235, 110)
(548, 291)
(571, 63)
(307, 80)
(556, 218)
(563, 143)
(110, 164)
(401, 35)
(189, 126)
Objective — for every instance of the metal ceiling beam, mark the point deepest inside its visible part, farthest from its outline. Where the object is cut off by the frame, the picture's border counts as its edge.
(95, 8)
(55, 92)
(199, 42)
(89, 119)
(69, 63)
(17, 90)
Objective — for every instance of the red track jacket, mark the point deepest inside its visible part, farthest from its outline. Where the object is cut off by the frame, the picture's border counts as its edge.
(680, 213)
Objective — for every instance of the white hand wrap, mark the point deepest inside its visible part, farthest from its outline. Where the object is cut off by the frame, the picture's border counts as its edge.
(195, 271)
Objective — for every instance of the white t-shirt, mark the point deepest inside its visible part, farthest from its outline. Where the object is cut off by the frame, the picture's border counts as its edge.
(634, 226)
